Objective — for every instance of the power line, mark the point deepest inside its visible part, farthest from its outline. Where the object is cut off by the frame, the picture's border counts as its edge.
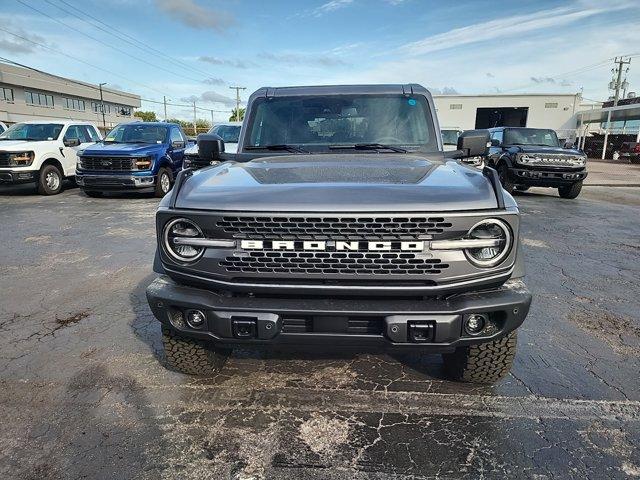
(125, 37)
(42, 45)
(97, 40)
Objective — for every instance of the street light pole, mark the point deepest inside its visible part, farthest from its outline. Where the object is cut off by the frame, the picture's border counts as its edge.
(104, 123)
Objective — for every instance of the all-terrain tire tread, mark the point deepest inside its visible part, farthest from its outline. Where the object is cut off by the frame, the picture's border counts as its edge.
(191, 356)
(483, 363)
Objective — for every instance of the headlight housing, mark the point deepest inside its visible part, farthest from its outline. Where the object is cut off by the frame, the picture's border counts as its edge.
(490, 229)
(185, 229)
(21, 159)
(142, 163)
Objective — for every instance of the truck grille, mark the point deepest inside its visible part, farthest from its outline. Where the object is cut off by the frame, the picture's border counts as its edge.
(107, 163)
(328, 263)
(335, 228)
(553, 161)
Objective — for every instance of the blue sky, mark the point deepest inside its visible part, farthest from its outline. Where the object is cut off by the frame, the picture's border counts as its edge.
(196, 49)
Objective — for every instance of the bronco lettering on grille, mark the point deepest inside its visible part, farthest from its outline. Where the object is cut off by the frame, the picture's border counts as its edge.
(314, 245)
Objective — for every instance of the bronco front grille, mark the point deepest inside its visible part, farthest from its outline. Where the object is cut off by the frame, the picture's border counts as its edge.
(552, 161)
(107, 163)
(328, 263)
(335, 228)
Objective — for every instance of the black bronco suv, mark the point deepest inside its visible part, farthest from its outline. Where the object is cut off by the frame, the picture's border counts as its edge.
(339, 222)
(533, 157)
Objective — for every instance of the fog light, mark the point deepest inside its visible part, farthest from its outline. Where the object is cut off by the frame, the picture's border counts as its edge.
(475, 323)
(195, 318)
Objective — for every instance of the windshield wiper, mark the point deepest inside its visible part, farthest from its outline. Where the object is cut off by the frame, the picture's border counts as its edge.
(368, 146)
(282, 146)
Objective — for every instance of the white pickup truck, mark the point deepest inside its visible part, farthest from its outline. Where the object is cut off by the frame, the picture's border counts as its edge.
(44, 152)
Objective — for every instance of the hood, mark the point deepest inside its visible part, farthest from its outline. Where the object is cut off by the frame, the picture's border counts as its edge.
(19, 145)
(334, 183)
(547, 150)
(124, 148)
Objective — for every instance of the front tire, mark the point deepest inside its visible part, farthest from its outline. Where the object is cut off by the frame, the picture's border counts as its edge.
(163, 182)
(191, 356)
(482, 363)
(570, 191)
(50, 180)
(503, 173)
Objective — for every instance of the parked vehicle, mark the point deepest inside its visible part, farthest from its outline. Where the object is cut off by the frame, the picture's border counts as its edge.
(630, 151)
(340, 223)
(136, 156)
(3, 127)
(526, 157)
(44, 152)
(228, 131)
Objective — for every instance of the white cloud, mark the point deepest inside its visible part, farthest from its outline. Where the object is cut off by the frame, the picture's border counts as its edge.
(196, 16)
(331, 6)
(508, 27)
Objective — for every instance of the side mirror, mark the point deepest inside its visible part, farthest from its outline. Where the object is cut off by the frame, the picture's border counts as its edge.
(177, 144)
(71, 142)
(568, 144)
(495, 142)
(474, 143)
(210, 146)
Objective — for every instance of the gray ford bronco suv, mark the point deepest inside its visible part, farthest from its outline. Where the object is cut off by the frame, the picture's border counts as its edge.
(340, 222)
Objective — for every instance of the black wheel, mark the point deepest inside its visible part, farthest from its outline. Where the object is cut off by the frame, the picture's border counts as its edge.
(191, 356)
(503, 173)
(570, 191)
(163, 182)
(483, 363)
(50, 180)
(92, 193)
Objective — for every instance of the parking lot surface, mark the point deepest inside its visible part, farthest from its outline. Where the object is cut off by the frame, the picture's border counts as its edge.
(83, 393)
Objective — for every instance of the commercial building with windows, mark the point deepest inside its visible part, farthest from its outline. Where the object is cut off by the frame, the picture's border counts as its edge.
(26, 94)
(556, 111)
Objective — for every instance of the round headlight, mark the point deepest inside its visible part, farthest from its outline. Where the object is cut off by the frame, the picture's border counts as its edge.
(177, 234)
(498, 235)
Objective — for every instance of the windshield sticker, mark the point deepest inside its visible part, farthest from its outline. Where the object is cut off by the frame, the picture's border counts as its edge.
(412, 102)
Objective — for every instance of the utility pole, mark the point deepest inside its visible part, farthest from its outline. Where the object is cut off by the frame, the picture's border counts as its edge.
(195, 127)
(237, 89)
(620, 63)
(212, 118)
(104, 123)
(164, 100)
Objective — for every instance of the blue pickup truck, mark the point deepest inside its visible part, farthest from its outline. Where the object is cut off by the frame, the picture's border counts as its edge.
(137, 156)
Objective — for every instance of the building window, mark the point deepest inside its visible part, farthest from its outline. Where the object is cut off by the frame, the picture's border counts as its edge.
(6, 94)
(455, 106)
(123, 111)
(551, 105)
(74, 104)
(39, 99)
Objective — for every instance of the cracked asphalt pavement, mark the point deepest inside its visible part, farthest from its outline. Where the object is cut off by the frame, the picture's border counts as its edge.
(83, 393)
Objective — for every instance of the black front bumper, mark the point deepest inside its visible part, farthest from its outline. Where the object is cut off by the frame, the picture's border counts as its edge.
(116, 183)
(546, 178)
(12, 177)
(357, 322)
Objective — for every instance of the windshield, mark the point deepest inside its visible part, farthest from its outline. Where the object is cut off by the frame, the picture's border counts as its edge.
(229, 133)
(320, 122)
(531, 136)
(450, 137)
(33, 131)
(137, 133)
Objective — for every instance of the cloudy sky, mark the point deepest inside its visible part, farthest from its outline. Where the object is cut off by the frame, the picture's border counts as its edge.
(195, 49)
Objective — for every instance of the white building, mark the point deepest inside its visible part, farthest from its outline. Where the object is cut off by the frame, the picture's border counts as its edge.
(27, 94)
(466, 112)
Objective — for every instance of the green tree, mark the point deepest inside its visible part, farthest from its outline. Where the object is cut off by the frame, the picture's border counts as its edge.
(146, 116)
(240, 117)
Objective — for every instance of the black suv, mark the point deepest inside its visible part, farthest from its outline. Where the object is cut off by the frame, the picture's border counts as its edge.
(533, 157)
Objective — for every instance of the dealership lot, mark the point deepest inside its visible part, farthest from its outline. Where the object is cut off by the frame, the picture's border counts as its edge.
(83, 392)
